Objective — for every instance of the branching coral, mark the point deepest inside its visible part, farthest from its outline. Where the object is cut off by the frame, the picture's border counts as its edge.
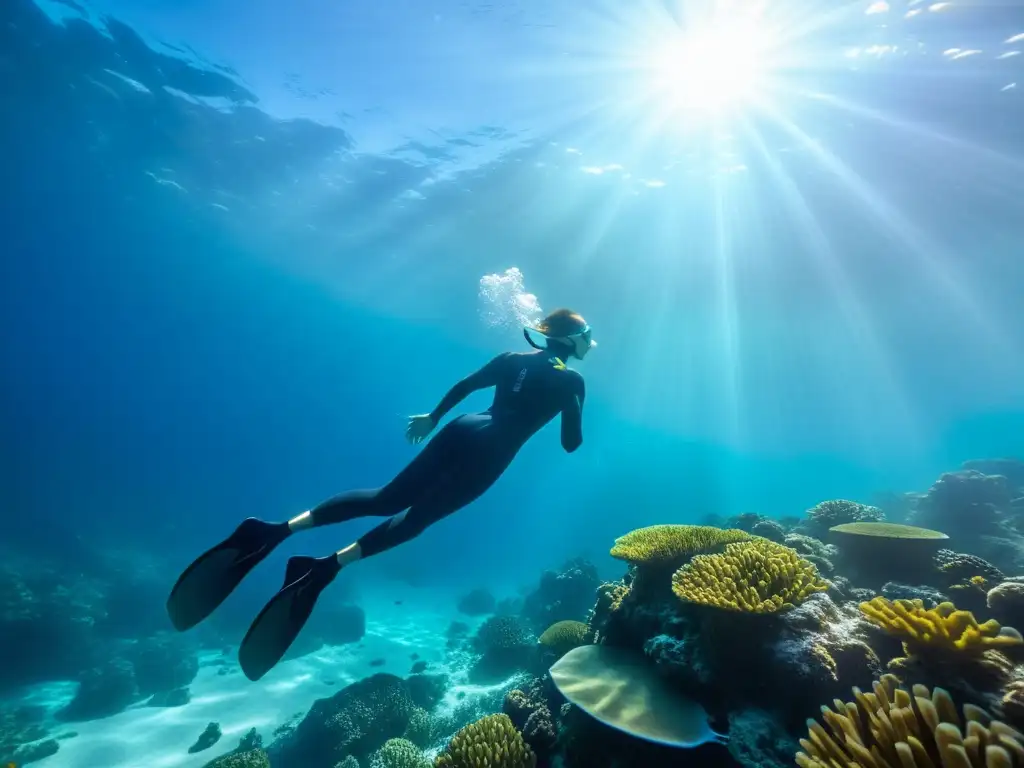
(671, 545)
(892, 727)
(826, 514)
(942, 627)
(490, 742)
(756, 576)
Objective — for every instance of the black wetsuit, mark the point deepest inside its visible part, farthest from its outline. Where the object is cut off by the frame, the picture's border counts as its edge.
(471, 452)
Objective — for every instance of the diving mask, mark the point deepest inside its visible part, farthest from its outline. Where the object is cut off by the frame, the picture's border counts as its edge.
(581, 342)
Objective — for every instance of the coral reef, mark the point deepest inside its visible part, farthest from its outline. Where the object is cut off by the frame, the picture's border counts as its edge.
(505, 645)
(530, 710)
(491, 742)
(565, 594)
(756, 576)
(356, 721)
(478, 602)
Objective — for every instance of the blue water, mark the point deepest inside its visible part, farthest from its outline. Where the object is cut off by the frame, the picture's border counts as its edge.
(242, 241)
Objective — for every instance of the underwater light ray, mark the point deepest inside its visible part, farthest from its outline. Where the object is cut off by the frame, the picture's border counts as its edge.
(917, 243)
(922, 131)
(728, 312)
(839, 284)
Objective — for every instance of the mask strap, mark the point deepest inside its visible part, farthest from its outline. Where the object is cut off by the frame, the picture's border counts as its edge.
(529, 338)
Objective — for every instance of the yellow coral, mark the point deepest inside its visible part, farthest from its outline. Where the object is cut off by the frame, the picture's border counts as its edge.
(757, 576)
(669, 545)
(563, 636)
(939, 628)
(891, 727)
(490, 742)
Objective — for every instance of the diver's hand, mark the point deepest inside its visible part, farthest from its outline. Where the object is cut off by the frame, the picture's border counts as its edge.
(419, 427)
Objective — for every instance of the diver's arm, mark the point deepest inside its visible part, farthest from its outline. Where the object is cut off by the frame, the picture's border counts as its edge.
(485, 377)
(572, 419)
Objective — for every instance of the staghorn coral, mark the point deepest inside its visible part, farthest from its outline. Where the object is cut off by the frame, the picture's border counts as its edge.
(399, 753)
(756, 576)
(490, 742)
(671, 545)
(892, 727)
(942, 627)
(562, 636)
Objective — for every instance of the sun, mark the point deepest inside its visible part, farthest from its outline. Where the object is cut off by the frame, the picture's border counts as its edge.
(710, 68)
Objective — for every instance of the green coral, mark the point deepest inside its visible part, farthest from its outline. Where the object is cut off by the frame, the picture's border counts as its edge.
(419, 728)
(756, 576)
(490, 742)
(400, 753)
(671, 545)
(562, 636)
(253, 758)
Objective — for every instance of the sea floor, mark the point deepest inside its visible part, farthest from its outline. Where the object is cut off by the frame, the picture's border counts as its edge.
(149, 737)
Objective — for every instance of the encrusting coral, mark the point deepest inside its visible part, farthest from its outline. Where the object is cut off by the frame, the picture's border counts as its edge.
(893, 728)
(490, 742)
(757, 576)
(942, 627)
(670, 545)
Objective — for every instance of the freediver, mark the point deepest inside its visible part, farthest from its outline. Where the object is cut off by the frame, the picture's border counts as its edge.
(460, 463)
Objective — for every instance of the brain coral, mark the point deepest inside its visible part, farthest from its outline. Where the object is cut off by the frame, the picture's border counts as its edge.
(562, 636)
(670, 545)
(756, 576)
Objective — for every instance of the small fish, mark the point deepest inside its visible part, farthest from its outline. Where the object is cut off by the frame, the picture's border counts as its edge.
(398, 602)
(378, 662)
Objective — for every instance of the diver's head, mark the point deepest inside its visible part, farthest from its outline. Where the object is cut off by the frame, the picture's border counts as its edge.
(565, 334)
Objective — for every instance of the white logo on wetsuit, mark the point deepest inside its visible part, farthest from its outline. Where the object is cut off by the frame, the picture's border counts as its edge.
(519, 381)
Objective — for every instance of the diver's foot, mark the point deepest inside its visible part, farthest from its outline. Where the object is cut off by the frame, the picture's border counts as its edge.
(281, 620)
(208, 581)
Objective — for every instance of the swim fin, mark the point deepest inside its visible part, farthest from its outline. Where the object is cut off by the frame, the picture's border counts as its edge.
(281, 620)
(208, 581)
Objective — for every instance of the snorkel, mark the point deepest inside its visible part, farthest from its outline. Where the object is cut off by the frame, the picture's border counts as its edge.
(579, 343)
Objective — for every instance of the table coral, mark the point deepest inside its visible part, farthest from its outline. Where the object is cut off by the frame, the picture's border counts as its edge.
(670, 545)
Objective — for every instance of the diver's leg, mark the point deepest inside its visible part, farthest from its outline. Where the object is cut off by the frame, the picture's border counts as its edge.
(215, 574)
(408, 486)
(281, 620)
